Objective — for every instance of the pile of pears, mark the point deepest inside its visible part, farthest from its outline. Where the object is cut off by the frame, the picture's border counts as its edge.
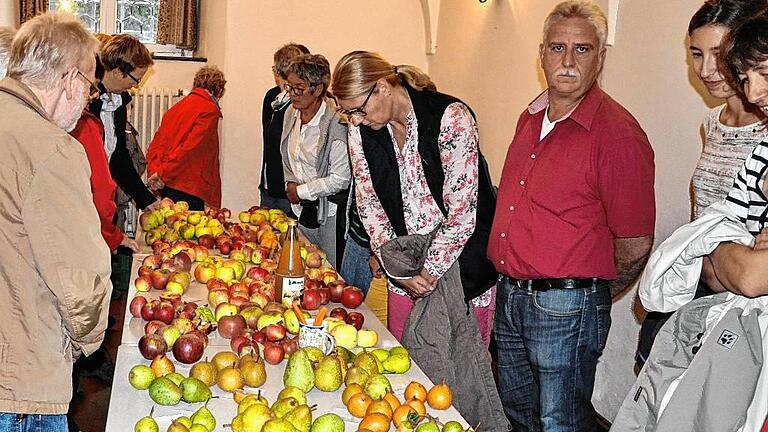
(201, 421)
(166, 386)
(289, 413)
(230, 372)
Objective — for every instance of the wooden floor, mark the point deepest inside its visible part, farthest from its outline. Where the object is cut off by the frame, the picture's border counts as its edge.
(90, 405)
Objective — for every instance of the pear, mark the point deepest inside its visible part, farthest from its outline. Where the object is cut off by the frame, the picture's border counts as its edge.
(381, 354)
(346, 354)
(254, 373)
(328, 374)
(141, 377)
(237, 424)
(453, 426)
(198, 428)
(147, 424)
(398, 350)
(193, 390)
(177, 427)
(328, 423)
(367, 361)
(283, 406)
(162, 365)
(163, 391)
(315, 354)
(205, 371)
(278, 425)
(204, 417)
(357, 375)
(186, 421)
(176, 377)
(397, 363)
(255, 416)
(300, 417)
(429, 426)
(378, 386)
(298, 372)
(293, 392)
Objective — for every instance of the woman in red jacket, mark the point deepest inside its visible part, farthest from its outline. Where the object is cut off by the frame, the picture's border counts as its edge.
(90, 132)
(184, 154)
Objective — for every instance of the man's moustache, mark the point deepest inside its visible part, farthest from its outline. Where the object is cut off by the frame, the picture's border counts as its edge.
(568, 73)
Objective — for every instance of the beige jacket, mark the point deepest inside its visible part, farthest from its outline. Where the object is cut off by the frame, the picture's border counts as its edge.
(54, 263)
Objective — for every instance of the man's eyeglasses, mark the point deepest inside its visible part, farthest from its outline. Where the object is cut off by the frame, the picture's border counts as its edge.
(296, 90)
(359, 111)
(138, 81)
(94, 90)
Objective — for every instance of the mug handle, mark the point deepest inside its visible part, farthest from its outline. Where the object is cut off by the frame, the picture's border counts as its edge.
(330, 343)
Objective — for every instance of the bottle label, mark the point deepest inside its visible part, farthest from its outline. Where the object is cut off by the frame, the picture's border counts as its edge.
(292, 289)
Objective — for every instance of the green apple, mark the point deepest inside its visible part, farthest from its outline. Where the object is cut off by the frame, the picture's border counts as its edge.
(269, 318)
(225, 309)
(367, 338)
(345, 335)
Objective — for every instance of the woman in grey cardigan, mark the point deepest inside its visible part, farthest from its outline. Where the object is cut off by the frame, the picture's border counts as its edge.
(314, 150)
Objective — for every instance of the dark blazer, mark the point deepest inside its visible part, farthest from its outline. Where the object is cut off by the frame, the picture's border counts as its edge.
(120, 164)
(272, 161)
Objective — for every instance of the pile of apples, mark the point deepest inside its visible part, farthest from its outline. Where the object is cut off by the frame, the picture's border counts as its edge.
(264, 215)
(168, 272)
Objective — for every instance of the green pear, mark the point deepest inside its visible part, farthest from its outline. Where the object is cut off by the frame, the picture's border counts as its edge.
(377, 386)
(193, 390)
(357, 375)
(291, 321)
(254, 373)
(283, 406)
(198, 428)
(328, 423)
(278, 425)
(186, 421)
(141, 377)
(328, 374)
(398, 350)
(300, 417)
(293, 392)
(315, 354)
(367, 361)
(176, 377)
(237, 424)
(397, 363)
(429, 426)
(346, 354)
(147, 424)
(298, 372)
(177, 427)
(204, 417)
(453, 426)
(380, 353)
(163, 391)
(255, 416)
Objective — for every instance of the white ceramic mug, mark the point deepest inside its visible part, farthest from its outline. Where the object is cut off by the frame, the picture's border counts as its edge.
(316, 336)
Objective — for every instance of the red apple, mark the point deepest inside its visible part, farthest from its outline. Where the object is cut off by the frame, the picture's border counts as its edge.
(165, 312)
(188, 348)
(337, 289)
(152, 261)
(259, 337)
(339, 313)
(238, 288)
(153, 326)
(136, 304)
(275, 332)
(356, 319)
(148, 312)
(145, 271)
(230, 326)
(152, 345)
(207, 241)
(202, 334)
(310, 299)
(290, 345)
(225, 248)
(238, 342)
(352, 297)
(216, 284)
(160, 278)
(238, 300)
(273, 354)
(325, 295)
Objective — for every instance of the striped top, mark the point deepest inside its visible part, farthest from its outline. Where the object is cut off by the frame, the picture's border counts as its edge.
(747, 198)
(725, 150)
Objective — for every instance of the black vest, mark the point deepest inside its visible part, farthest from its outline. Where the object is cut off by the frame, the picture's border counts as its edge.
(477, 272)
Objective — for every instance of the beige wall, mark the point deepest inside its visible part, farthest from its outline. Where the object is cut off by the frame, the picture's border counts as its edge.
(254, 30)
(487, 55)
(9, 13)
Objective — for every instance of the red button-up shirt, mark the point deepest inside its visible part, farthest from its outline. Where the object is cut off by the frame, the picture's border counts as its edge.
(563, 200)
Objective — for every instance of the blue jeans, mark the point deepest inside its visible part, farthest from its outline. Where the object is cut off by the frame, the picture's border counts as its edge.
(354, 265)
(267, 200)
(10, 422)
(548, 346)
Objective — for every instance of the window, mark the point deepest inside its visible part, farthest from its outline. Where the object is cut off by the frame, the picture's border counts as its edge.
(133, 17)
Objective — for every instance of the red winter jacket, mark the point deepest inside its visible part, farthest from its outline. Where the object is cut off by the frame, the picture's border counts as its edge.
(89, 132)
(185, 149)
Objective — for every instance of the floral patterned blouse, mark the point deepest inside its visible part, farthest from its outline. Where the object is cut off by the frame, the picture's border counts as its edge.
(458, 144)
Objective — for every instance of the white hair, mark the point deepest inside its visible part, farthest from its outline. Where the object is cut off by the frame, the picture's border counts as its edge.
(579, 9)
(48, 46)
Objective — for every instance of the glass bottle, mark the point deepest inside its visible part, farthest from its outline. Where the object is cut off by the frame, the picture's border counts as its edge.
(289, 281)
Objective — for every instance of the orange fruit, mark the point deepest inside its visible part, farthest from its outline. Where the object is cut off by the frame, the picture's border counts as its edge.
(375, 422)
(440, 396)
(350, 391)
(415, 390)
(394, 402)
(379, 406)
(239, 395)
(404, 413)
(417, 406)
(358, 404)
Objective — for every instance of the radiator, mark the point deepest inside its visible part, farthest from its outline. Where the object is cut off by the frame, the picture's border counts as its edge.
(145, 113)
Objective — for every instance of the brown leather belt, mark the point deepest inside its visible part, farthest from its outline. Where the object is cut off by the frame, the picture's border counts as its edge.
(560, 283)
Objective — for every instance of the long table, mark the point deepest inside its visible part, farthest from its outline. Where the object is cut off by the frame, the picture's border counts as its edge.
(127, 405)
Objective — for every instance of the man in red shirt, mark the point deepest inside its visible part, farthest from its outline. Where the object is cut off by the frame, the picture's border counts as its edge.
(573, 227)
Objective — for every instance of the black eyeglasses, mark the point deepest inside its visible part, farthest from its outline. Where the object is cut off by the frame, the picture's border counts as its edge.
(296, 90)
(94, 91)
(138, 81)
(360, 111)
